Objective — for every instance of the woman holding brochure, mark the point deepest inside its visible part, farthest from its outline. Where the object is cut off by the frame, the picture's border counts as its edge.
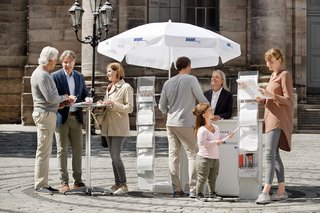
(115, 125)
(278, 118)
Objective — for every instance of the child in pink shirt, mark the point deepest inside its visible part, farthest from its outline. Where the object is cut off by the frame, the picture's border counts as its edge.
(207, 161)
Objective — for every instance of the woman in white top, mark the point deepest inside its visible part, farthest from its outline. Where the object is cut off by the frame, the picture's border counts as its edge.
(207, 161)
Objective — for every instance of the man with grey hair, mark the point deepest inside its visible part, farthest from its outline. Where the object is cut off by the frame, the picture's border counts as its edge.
(178, 98)
(45, 105)
(69, 120)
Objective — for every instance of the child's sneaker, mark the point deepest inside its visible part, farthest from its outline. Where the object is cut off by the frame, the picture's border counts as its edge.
(278, 197)
(263, 198)
(200, 198)
(192, 195)
(213, 197)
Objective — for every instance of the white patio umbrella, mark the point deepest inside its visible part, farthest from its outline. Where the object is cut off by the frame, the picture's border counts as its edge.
(158, 45)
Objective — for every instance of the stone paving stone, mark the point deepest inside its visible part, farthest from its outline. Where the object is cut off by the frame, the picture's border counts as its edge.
(18, 144)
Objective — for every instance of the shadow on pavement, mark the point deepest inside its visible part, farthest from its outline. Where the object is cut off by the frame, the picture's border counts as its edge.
(24, 144)
(18, 144)
(304, 192)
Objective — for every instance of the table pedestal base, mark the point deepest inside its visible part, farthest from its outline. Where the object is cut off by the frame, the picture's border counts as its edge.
(85, 190)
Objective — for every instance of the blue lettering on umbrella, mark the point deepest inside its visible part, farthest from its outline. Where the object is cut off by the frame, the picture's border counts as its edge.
(192, 39)
(138, 39)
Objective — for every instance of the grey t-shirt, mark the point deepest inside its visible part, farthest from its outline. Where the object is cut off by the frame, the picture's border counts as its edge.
(178, 98)
(44, 92)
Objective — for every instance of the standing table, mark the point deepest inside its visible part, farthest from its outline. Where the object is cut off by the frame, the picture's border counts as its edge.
(88, 189)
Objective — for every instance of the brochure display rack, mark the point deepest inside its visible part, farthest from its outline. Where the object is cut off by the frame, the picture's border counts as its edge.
(250, 136)
(145, 138)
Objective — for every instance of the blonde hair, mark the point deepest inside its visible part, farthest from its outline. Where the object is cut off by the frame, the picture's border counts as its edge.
(223, 76)
(198, 111)
(273, 53)
(117, 67)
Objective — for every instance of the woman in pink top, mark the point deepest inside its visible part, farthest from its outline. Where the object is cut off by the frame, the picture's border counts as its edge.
(207, 161)
(278, 118)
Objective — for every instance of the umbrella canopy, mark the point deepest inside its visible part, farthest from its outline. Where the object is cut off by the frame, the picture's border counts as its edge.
(158, 45)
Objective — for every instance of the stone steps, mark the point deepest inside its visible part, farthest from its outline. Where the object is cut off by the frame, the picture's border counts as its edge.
(309, 118)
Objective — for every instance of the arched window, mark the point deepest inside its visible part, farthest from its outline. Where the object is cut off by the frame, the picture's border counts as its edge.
(203, 13)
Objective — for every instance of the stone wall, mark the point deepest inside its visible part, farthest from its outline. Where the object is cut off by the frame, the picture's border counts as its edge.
(299, 47)
(10, 94)
(26, 29)
(49, 23)
(13, 37)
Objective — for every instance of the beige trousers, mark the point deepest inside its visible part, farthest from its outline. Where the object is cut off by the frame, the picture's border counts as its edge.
(178, 137)
(46, 123)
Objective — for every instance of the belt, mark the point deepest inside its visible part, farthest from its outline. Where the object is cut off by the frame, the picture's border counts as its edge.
(73, 113)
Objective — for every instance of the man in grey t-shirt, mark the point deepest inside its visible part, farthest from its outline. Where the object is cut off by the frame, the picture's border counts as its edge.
(45, 105)
(178, 97)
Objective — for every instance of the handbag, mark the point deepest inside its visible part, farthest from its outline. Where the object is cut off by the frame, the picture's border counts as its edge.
(98, 114)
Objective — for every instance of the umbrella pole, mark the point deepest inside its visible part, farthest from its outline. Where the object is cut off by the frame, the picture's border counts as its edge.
(171, 60)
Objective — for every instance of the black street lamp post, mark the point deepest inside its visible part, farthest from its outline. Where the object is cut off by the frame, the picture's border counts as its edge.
(102, 19)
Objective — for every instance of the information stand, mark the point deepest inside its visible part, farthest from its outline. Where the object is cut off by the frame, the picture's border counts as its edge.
(240, 173)
(88, 189)
(227, 183)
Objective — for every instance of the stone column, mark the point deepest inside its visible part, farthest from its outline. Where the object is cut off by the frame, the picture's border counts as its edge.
(86, 30)
(268, 28)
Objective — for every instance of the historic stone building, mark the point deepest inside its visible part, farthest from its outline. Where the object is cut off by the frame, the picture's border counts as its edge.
(26, 26)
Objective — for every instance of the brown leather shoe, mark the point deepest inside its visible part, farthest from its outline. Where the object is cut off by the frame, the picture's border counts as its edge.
(64, 187)
(78, 185)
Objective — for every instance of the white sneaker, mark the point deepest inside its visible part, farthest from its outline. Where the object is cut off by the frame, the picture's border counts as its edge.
(278, 197)
(213, 197)
(123, 189)
(263, 198)
(44, 191)
(114, 188)
(192, 195)
(200, 198)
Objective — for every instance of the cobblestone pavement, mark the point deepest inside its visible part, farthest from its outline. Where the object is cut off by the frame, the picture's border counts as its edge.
(18, 145)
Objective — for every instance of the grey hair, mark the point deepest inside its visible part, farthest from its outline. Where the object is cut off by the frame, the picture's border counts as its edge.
(223, 76)
(68, 53)
(48, 53)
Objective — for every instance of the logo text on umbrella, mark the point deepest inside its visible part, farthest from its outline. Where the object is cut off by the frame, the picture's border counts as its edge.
(229, 45)
(138, 39)
(192, 39)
